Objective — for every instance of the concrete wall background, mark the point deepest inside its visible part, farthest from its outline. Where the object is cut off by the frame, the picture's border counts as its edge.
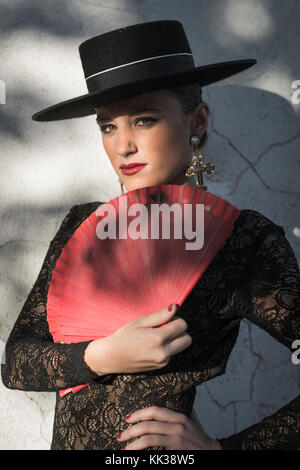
(253, 141)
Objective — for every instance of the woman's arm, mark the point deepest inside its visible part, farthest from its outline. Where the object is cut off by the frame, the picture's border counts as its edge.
(33, 362)
(270, 297)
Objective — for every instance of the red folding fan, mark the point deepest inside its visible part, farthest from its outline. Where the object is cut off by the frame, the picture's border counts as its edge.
(159, 241)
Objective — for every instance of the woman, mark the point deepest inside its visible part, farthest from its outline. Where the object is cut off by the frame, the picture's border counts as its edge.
(144, 89)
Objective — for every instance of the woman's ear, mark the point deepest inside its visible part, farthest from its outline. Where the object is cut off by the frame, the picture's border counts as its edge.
(199, 120)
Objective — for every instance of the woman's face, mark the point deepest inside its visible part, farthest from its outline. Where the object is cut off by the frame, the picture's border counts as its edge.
(152, 130)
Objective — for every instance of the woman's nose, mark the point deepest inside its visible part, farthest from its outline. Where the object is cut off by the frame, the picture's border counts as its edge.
(125, 144)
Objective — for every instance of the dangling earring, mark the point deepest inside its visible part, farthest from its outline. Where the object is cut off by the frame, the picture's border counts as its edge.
(198, 168)
(122, 186)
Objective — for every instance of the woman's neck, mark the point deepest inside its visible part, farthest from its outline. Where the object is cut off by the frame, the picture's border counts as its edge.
(183, 180)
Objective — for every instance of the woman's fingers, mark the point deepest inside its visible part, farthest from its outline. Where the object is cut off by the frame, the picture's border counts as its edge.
(157, 413)
(146, 427)
(173, 334)
(156, 336)
(161, 427)
(178, 344)
(157, 318)
(173, 329)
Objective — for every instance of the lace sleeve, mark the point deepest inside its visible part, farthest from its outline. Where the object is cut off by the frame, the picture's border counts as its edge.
(33, 362)
(270, 297)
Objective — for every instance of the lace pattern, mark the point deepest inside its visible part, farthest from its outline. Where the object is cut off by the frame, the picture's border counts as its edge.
(255, 276)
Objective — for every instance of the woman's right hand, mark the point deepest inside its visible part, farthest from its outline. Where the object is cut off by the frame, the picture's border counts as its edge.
(139, 345)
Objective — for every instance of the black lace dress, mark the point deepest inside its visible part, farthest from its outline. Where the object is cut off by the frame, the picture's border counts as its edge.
(255, 276)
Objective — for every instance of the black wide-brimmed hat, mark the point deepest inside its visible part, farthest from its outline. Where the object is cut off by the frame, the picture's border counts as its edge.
(137, 59)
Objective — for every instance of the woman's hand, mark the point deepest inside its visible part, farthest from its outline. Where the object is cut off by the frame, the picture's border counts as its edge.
(161, 427)
(139, 345)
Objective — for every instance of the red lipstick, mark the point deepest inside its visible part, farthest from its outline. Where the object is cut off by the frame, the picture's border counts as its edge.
(132, 168)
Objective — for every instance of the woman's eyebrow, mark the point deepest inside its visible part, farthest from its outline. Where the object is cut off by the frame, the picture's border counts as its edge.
(134, 112)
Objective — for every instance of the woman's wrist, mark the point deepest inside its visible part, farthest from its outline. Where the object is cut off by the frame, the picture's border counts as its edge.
(93, 358)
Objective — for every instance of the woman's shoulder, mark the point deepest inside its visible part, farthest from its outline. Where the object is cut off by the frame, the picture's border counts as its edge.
(251, 231)
(78, 213)
(85, 207)
(256, 221)
(254, 225)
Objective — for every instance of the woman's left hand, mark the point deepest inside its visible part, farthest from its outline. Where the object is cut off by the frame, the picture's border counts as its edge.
(162, 427)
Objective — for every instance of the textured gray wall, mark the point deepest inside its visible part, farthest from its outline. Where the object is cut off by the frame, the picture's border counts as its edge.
(254, 137)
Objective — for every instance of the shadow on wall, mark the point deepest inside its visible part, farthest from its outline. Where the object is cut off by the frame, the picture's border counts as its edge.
(248, 127)
(33, 16)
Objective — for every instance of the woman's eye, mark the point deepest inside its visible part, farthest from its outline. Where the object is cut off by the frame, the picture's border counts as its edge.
(147, 121)
(105, 127)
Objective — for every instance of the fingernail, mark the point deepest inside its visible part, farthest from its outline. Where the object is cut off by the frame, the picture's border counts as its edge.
(171, 306)
(127, 417)
(123, 448)
(118, 436)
